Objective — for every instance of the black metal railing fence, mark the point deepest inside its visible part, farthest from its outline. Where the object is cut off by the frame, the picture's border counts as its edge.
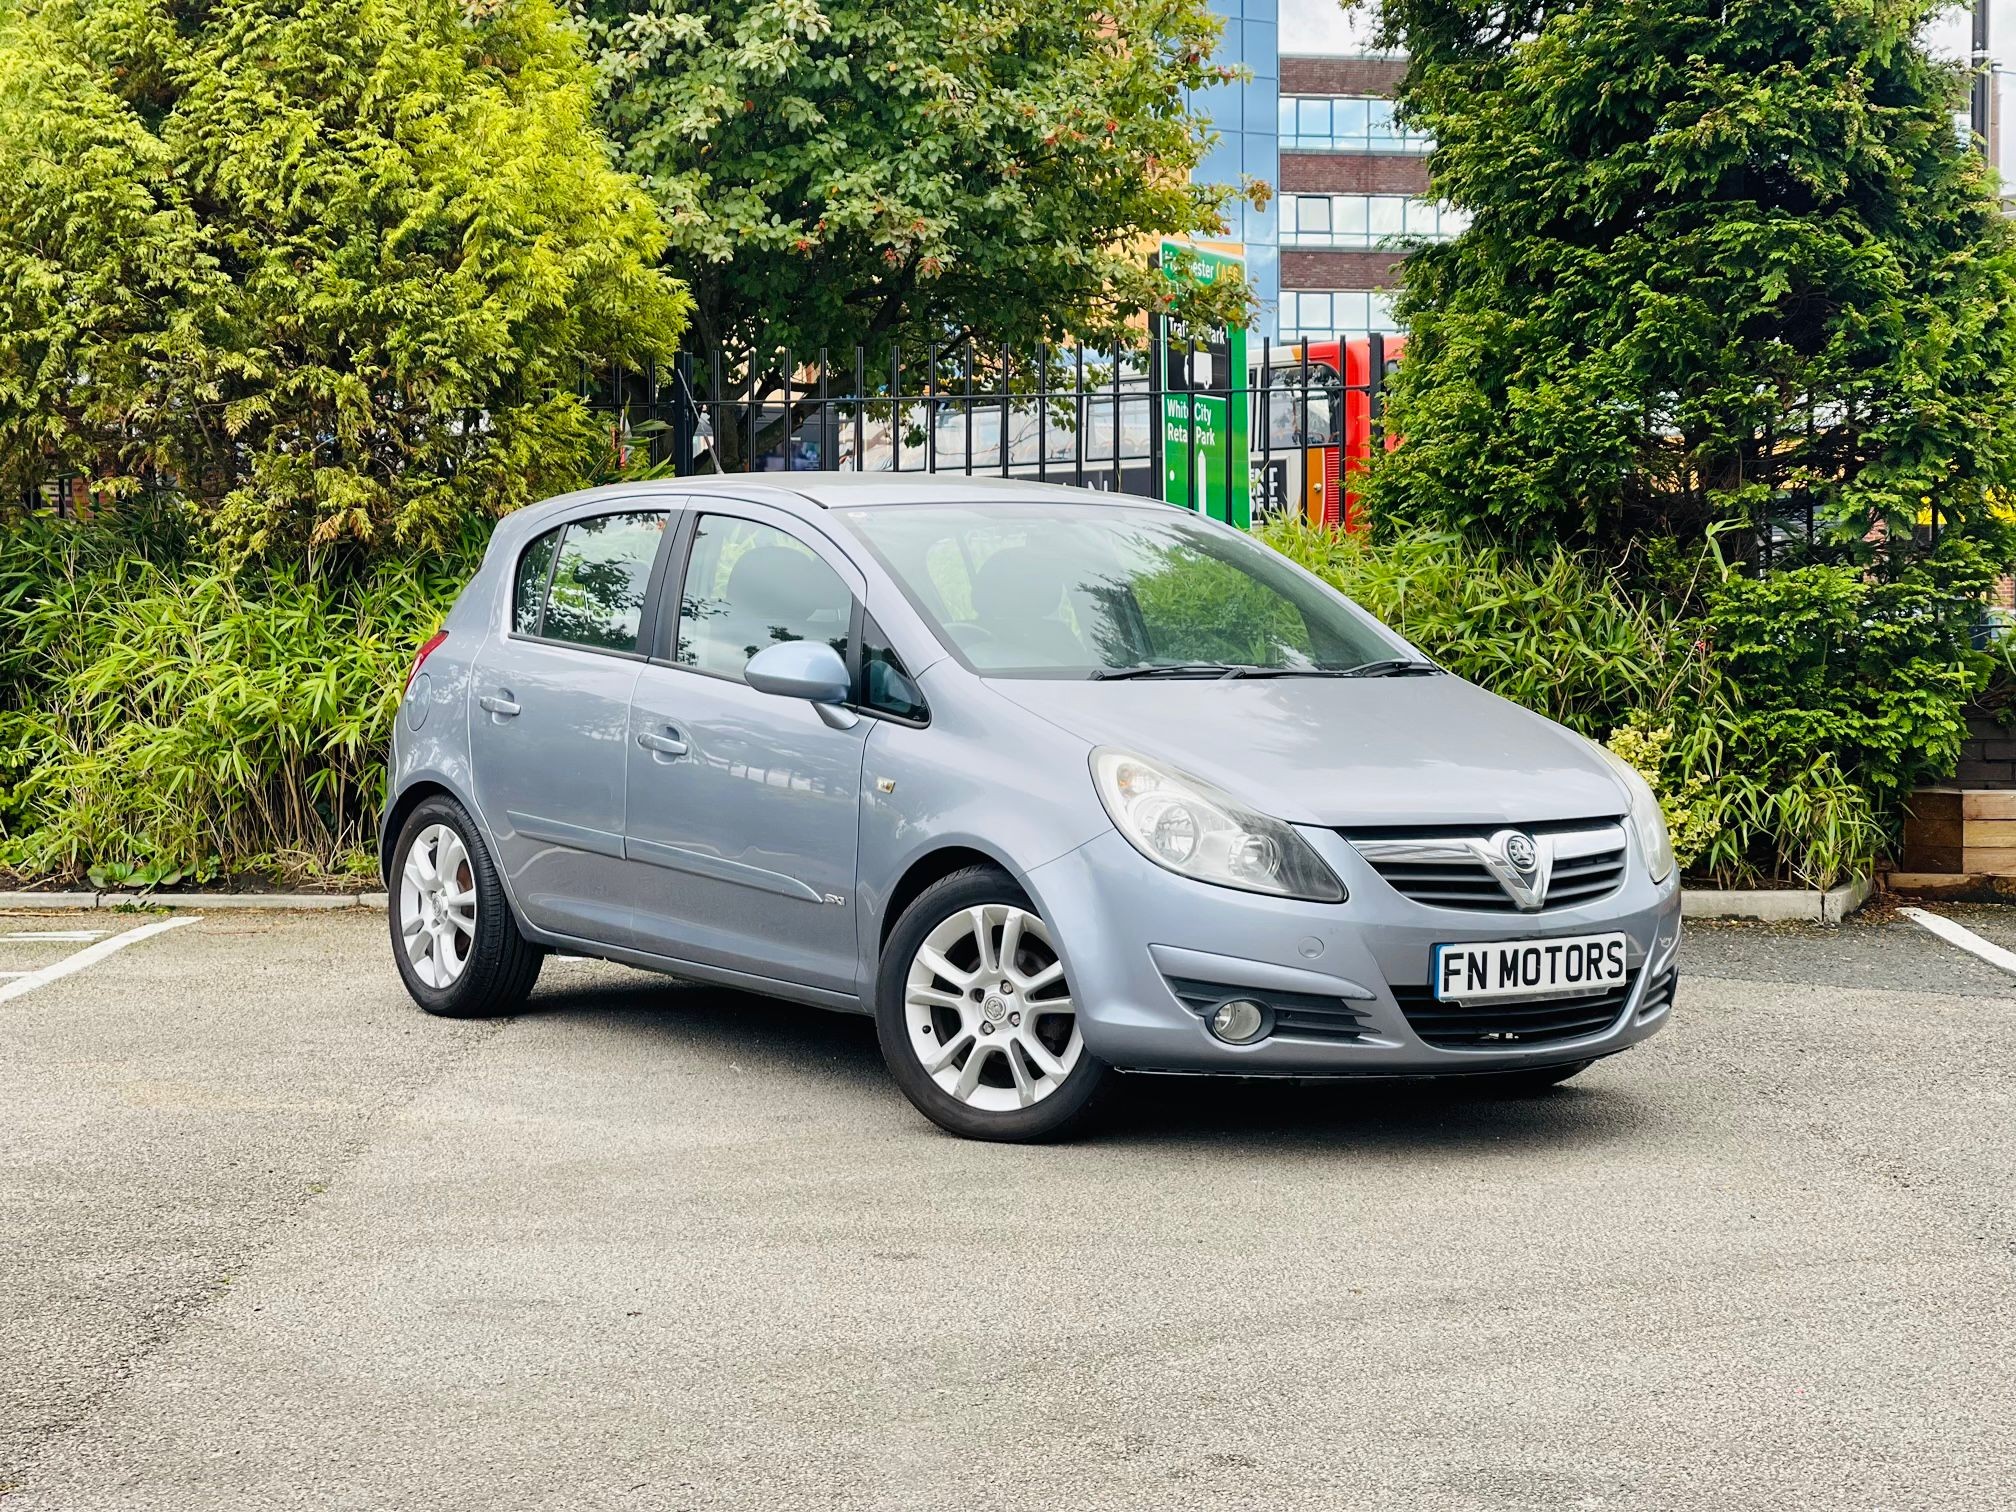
(1140, 422)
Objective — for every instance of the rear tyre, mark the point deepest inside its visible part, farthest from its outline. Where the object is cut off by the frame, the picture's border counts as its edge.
(454, 939)
(976, 1019)
(1527, 1083)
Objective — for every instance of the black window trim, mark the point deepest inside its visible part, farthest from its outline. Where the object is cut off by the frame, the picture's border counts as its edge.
(675, 514)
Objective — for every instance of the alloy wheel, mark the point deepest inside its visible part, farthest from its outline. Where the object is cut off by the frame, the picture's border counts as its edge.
(989, 1014)
(437, 906)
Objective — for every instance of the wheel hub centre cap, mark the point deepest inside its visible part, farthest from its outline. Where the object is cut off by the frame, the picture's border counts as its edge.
(994, 1009)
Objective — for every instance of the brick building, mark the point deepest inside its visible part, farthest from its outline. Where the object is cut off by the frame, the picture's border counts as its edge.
(1352, 181)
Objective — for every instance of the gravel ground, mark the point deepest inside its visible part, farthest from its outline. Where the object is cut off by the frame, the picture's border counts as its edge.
(272, 1239)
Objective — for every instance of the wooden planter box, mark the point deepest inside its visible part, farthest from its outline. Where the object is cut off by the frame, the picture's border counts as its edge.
(1955, 835)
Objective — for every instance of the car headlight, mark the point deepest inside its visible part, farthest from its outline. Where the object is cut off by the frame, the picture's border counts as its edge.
(1194, 830)
(1646, 817)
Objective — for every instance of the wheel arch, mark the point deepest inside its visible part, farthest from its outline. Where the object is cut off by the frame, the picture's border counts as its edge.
(408, 798)
(933, 865)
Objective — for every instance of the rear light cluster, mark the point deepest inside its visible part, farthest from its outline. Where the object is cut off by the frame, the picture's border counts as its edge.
(420, 657)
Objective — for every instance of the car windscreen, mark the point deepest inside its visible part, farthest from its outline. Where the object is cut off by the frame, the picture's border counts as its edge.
(1081, 590)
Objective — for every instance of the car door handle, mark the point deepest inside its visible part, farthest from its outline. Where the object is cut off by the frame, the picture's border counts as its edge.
(495, 703)
(665, 745)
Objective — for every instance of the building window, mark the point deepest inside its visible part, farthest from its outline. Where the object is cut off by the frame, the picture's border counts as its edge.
(1365, 220)
(1345, 123)
(1309, 314)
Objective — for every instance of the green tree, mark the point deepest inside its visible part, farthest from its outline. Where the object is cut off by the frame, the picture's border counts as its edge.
(326, 268)
(842, 172)
(1724, 262)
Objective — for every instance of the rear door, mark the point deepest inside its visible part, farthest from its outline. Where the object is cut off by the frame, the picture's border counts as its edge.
(549, 714)
(744, 805)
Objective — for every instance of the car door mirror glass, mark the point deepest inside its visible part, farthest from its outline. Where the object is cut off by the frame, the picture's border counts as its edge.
(799, 669)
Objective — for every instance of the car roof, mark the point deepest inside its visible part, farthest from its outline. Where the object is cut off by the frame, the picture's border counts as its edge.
(832, 490)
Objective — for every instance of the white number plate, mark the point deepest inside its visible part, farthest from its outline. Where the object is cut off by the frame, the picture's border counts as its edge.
(1530, 968)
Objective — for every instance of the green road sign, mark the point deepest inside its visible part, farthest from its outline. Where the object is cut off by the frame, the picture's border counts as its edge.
(1205, 457)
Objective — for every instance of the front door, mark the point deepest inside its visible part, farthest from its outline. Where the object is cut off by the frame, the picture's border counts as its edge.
(744, 804)
(549, 716)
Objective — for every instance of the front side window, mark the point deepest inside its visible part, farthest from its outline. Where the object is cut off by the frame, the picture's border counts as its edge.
(750, 585)
(600, 578)
(1039, 591)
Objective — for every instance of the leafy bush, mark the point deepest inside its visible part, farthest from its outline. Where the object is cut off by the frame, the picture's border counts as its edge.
(327, 267)
(1717, 255)
(1831, 695)
(160, 717)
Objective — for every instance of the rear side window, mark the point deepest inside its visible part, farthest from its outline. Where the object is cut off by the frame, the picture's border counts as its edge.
(599, 580)
(528, 595)
(749, 586)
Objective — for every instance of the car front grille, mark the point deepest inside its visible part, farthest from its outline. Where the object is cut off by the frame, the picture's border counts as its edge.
(1296, 1015)
(1583, 879)
(1460, 1026)
(1463, 868)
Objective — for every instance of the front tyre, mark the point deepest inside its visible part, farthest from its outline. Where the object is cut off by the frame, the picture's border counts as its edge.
(976, 1020)
(456, 944)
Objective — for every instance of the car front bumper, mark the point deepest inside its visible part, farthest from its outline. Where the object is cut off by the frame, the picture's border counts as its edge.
(1134, 937)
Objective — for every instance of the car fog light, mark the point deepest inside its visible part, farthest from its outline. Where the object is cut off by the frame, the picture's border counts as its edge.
(1238, 1022)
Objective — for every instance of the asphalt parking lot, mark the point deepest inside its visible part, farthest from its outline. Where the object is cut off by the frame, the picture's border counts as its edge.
(273, 1239)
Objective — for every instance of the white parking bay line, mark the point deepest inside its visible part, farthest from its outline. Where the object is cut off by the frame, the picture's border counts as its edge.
(90, 955)
(53, 934)
(1961, 935)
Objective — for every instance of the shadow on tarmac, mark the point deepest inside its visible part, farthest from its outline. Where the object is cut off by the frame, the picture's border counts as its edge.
(793, 1042)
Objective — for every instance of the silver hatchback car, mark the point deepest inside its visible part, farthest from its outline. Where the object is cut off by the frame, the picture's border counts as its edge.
(1053, 783)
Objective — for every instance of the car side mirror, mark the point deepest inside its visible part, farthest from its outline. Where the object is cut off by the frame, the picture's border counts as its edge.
(805, 669)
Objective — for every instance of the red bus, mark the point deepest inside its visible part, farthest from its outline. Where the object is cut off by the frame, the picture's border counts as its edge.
(1313, 407)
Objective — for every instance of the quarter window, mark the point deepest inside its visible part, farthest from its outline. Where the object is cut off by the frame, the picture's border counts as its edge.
(749, 586)
(600, 578)
(528, 595)
(886, 684)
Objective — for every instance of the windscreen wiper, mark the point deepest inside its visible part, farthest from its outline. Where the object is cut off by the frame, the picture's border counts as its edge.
(1393, 666)
(1170, 669)
(1290, 672)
